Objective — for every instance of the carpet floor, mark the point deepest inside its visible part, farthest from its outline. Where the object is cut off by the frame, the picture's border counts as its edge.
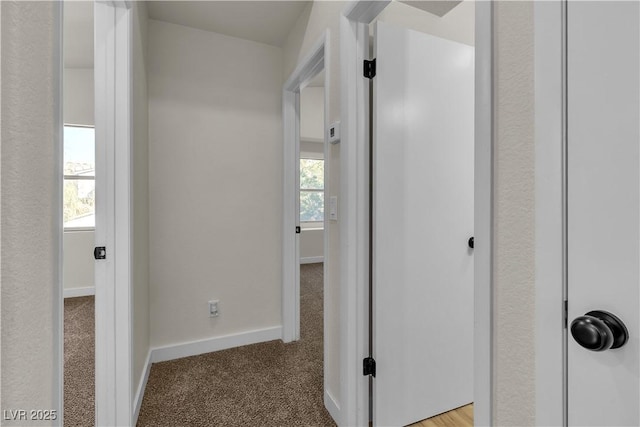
(79, 362)
(267, 384)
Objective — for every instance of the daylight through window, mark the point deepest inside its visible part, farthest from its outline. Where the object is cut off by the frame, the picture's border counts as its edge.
(79, 178)
(311, 190)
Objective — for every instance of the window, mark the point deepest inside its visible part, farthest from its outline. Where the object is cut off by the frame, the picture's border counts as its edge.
(311, 190)
(79, 178)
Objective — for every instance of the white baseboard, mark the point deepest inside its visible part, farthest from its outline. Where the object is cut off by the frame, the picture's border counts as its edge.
(332, 406)
(142, 385)
(79, 292)
(193, 348)
(311, 259)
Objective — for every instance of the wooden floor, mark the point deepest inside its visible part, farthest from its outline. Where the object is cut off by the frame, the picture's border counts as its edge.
(461, 417)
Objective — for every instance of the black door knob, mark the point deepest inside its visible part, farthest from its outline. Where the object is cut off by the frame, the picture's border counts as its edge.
(470, 242)
(599, 331)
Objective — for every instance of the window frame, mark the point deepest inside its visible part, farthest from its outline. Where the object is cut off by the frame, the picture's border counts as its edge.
(77, 178)
(305, 225)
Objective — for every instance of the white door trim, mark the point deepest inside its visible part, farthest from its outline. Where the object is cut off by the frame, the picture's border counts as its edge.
(550, 215)
(113, 26)
(309, 67)
(483, 207)
(354, 211)
(354, 244)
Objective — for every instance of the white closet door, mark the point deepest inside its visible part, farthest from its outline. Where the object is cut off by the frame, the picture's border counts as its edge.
(603, 207)
(423, 218)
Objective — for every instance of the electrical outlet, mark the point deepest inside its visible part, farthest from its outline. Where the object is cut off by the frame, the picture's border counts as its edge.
(213, 308)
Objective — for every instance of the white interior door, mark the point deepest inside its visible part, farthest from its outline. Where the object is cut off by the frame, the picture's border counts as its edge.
(423, 218)
(603, 93)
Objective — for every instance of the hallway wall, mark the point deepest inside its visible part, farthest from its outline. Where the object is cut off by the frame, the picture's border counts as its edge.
(215, 184)
(140, 201)
(29, 245)
(514, 209)
(30, 208)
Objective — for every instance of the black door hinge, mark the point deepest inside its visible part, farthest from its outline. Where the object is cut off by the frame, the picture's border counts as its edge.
(370, 68)
(298, 230)
(100, 252)
(369, 366)
(566, 313)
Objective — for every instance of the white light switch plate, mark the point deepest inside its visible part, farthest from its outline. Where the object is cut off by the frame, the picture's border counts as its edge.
(333, 133)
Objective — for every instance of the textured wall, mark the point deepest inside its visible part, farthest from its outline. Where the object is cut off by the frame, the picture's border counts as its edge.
(30, 168)
(514, 204)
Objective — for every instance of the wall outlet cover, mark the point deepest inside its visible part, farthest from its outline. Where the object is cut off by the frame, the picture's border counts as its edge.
(213, 308)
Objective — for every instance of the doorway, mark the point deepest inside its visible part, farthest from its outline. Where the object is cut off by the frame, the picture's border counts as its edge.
(97, 190)
(306, 213)
(405, 324)
(313, 216)
(79, 198)
(422, 216)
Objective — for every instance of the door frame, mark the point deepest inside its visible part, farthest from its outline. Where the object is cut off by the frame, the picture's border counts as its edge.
(309, 67)
(551, 211)
(354, 194)
(113, 345)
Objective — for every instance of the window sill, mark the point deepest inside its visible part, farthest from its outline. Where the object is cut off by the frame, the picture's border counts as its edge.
(312, 225)
(78, 229)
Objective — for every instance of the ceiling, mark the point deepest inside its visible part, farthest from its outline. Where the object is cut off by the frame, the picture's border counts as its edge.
(266, 22)
(437, 7)
(78, 34)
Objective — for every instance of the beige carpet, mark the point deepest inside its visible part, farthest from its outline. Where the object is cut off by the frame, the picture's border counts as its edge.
(268, 384)
(79, 362)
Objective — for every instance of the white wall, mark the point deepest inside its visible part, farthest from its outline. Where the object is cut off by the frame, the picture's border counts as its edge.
(78, 271)
(30, 207)
(215, 183)
(312, 114)
(311, 245)
(140, 197)
(79, 96)
(78, 267)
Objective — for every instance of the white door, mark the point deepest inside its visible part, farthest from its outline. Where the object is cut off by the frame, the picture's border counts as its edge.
(423, 218)
(603, 94)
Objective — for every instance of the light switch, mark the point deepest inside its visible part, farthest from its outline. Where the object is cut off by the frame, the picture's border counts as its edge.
(333, 208)
(333, 133)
